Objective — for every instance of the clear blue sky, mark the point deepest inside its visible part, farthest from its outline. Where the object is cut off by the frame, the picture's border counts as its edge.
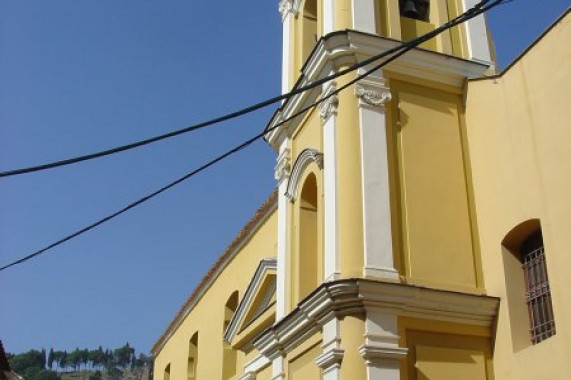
(81, 76)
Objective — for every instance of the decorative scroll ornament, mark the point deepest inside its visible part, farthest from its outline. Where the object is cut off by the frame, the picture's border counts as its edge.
(301, 163)
(373, 95)
(283, 166)
(289, 6)
(330, 105)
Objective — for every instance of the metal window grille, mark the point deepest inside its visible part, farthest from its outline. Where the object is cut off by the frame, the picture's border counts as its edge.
(538, 295)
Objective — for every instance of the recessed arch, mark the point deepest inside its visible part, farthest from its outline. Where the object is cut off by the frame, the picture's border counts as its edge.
(229, 355)
(167, 372)
(515, 237)
(192, 357)
(305, 158)
(308, 238)
(527, 284)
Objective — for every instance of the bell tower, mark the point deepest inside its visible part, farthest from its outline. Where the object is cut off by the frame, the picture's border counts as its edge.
(374, 183)
(306, 21)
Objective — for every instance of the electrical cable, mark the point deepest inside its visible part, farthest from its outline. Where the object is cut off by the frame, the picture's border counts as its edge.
(473, 12)
(213, 121)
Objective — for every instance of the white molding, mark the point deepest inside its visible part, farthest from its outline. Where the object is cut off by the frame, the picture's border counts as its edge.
(265, 266)
(283, 241)
(376, 95)
(376, 354)
(348, 47)
(373, 95)
(329, 106)
(287, 7)
(306, 157)
(362, 296)
(330, 360)
(364, 16)
(477, 36)
(328, 16)
(282, 169)
(254, 366)
(331, 235)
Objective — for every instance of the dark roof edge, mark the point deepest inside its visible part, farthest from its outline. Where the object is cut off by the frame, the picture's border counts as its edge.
(526, 50)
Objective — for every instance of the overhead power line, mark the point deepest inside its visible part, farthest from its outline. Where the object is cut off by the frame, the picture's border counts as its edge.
(404, 48)
(216, 120)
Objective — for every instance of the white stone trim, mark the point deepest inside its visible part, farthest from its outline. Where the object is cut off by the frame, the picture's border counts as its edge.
(381, 349)
(329, 106)
(265, 266)
(373, 94)
(282, 169)
(328, 16)
(287, 46)
(330, 360)
(363, 12)
(331, 235)
(477, 36)
(287, 7)
(254, 366)
(283, 241)
(360, 296)
(306, 157)
(349, 47)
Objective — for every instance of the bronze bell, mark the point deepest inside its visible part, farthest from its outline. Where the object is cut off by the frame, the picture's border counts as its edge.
(409, 9)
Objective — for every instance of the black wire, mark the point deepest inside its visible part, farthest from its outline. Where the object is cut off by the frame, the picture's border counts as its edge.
(478, 9)
(213, 121)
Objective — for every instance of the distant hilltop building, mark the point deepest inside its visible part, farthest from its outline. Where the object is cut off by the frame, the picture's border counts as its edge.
(421, 225)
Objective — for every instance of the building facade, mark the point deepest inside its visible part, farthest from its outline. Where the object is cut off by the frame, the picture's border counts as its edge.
(420, 225)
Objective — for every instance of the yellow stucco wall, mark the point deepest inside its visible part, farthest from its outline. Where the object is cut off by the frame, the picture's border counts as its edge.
(431, 184)
(207, 317)
(445, 350)
(519, 133)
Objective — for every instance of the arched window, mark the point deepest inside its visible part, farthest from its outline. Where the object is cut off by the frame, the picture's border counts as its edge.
(167, 374)
(308, 265)
(538, 294)
(192, 357)
(229, 355)
(526, 242)
(309, 28)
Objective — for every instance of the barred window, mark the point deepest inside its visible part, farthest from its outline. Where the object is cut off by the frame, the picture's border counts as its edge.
(538, 295)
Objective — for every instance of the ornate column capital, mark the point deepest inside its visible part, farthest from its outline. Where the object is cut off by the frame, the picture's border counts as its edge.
(282, 170)
(329, 106)
(373, 94)
(289, 6)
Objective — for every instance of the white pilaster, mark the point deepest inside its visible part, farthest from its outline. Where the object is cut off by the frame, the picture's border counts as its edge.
(330, 360)
(288, 9)
(364, 16)
(278, 372)
(373, 95)
(477, 36)
(381, 350)
(282, 173)
(328, 16)
(328, 112)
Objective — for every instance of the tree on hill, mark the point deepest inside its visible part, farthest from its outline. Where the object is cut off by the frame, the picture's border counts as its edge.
(51, 358)
(31, 359)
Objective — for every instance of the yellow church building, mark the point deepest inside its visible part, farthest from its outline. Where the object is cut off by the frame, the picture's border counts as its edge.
(420, 229)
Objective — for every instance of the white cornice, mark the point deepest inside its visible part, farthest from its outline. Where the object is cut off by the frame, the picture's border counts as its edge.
(344, 48)
(356, 296)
